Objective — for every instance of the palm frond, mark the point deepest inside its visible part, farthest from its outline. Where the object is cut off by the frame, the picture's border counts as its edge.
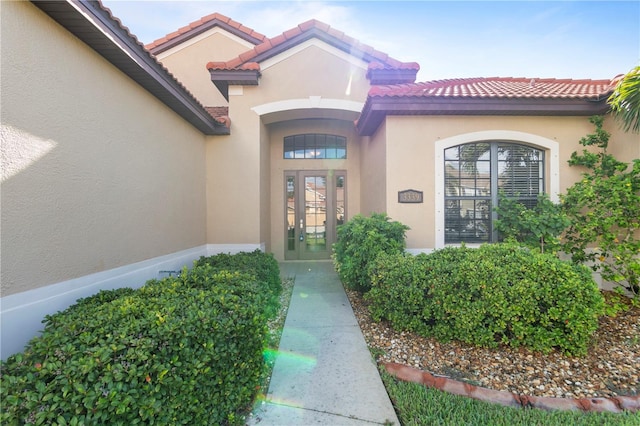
(625, 101)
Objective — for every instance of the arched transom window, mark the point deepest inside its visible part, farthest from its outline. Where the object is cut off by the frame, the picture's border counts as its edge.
(475, 173)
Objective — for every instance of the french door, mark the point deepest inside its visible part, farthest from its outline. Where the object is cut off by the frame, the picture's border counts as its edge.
(315, 205)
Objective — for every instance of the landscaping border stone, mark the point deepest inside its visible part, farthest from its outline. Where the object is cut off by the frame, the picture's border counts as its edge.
(615, 404)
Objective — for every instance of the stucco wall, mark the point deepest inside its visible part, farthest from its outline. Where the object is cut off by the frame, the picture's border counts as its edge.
(188, 62)
(411, 162)
(233, 183)
(373, 169)
(96, 172)
(265, 188)
(313, 69)
(623, 145)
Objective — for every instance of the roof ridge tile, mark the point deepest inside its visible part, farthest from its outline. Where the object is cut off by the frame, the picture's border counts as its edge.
(497, 87)
(202, 21)
(385, 61)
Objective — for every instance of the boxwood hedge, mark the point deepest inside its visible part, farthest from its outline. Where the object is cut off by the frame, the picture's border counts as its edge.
(496, 294)
(183, 350)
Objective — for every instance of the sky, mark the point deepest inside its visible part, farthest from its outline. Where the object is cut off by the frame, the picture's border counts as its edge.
(452, 39)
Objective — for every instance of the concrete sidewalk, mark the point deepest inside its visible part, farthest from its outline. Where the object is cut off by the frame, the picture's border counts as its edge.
(323, 373)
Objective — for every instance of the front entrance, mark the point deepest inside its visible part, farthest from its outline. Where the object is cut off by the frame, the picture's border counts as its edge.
(315, 205)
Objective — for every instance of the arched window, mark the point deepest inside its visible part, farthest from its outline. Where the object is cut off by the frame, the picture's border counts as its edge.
(474, 175)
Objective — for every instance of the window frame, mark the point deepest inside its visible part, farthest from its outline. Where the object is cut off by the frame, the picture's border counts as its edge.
(320, 143)
(550, 147)
(486, 184)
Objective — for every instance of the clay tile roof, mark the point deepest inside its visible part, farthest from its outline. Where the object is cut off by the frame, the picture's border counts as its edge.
(203, 24)
(272, 46)
(500, 87)
(220, 114)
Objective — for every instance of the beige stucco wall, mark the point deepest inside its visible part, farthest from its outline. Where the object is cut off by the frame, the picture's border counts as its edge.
(373, 169)
(410, 157)
(277, 133)
(315, 70)
(622, 145)
(233, 183)
(96, 173)
(266, 194)
(188, 62)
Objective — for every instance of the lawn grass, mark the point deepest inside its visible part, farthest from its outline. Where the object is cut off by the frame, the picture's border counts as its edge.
(416, 404)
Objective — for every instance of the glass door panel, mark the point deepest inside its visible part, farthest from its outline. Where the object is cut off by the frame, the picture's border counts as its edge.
(291, 213)
(315, 205)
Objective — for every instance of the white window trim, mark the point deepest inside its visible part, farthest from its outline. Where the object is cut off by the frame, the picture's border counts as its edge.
(552, 160)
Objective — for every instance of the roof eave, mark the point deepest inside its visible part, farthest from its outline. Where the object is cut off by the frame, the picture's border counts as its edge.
(376, 109)
(388, 76)
(222, 79)
(107, 37)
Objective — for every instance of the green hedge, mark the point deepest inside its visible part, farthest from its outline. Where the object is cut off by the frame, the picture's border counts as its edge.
(358, 243)
(187, 349)
(263, 265)
(498, 293)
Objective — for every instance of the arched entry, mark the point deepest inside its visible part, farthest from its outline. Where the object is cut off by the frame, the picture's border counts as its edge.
(313, 152)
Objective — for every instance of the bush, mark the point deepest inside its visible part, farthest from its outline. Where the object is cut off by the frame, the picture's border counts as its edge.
(183, 350)
(263, 265)
(535, 227)
(603, 208)
(497, 294)
(359, 241)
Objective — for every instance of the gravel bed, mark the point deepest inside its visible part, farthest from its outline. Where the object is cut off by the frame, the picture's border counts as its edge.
(611, 368)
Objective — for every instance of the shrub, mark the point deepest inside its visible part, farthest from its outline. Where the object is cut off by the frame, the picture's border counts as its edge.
(499, 293)
(359, 241)
(263, 265)
(182, 350)
(603, 208)
(535, 227)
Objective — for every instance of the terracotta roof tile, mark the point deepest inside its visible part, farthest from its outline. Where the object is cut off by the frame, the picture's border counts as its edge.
(195, 25)
(270, 44)
(293, 32)
(250, 66)
(499, 87)
(220, 114)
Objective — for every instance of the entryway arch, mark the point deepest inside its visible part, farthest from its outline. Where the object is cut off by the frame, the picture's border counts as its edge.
(308, 190)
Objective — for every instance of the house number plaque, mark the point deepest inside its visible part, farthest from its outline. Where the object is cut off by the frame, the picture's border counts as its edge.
(410, 196)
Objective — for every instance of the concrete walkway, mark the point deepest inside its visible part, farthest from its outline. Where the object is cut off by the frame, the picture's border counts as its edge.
(323, 373)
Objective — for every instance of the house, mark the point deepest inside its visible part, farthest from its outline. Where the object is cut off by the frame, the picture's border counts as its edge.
(121, 162)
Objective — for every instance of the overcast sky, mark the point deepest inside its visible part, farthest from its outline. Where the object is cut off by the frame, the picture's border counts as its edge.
(562, 39)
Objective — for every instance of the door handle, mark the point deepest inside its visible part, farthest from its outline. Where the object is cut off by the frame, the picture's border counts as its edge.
(301, 230)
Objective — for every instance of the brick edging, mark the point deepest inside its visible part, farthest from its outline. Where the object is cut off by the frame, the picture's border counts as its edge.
(615, 404)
